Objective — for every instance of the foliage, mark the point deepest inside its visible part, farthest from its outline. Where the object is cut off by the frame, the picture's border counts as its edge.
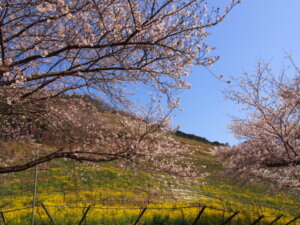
(67, 182)
(197, 138)
(105, 48)
(80, 132)
(104, 45)
(128, 216)
(270, 132)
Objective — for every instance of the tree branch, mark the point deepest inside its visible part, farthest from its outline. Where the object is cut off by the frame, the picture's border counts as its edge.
(76, 155)
(281, 163)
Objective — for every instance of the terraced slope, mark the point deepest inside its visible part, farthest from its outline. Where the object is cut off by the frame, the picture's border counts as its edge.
(76, 184)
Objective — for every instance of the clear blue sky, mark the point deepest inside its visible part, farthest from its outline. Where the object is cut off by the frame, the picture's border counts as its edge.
(255, 29)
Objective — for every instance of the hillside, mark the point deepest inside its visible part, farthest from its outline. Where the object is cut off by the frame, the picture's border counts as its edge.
(197, 138)
(67, 187)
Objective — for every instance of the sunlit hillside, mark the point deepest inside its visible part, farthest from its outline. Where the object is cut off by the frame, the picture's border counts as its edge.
(116, 196)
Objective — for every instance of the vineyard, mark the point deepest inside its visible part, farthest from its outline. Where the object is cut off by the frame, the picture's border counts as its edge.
(178, 214)
(70, 192)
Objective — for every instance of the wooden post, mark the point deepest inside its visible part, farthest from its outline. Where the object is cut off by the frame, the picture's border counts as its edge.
(258, 219)
(199, 215)
(293, 220)
(230, 218)
(140, 216)
(277, 218)
(3, 218)
(182, 213)
(48, 214)
(34, 190)
(84, 215)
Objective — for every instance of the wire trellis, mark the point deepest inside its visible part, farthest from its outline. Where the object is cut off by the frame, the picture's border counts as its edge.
(143, 209)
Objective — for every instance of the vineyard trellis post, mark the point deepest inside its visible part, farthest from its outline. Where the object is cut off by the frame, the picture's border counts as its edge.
(276, 219)
(84, 215)
(140, 216)
(257, 220)
(230, 218)
(35, 189)
(182, 214)
(3, 218)
(293, 220)
(199, 215)
(48, 213)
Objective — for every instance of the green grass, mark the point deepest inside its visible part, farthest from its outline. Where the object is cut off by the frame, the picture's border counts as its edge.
(65, 182)
(126, 217)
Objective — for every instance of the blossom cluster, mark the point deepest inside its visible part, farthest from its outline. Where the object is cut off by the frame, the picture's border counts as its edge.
(270, 133)
(103, 45)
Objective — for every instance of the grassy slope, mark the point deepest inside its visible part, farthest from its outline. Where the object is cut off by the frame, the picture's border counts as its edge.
(78, 184)
(238, 192)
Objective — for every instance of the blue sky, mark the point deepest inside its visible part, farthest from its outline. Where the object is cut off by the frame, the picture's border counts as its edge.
(255, 29)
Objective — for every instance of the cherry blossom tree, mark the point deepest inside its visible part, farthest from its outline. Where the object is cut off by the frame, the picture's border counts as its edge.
(73, 128)
(104, 45)
(270, 133)
(107, 48)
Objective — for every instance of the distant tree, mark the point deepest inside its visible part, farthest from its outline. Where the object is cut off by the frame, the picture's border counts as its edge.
(270, 133)
(107, 47)
(197, 138)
